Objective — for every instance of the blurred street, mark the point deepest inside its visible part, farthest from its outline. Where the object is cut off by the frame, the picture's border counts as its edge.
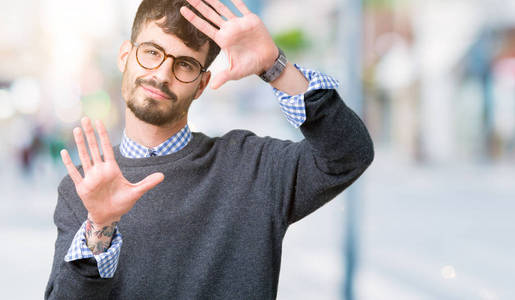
(437, 232)
(426, 232)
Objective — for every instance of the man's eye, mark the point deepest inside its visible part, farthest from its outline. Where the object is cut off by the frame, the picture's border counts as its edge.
(185, 65)
(152, 52)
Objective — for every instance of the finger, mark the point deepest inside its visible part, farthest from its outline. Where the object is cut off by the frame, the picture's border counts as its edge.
(81, 148)
(104, 141)
(72, 171)
(199, 23)
(220, 79)
(208, 12)
(221, 9)
(241, 7)
(92, 140)
(149, 182)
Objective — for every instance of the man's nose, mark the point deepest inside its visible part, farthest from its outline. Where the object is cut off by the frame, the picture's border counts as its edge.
(165, 73)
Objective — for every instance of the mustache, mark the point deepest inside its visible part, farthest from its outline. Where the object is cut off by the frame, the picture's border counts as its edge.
(158, 85)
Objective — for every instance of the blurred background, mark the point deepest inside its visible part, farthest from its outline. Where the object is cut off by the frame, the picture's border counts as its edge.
(433, 80)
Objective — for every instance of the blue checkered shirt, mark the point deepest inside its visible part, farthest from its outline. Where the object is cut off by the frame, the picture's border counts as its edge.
(293, 108)
(131, 149)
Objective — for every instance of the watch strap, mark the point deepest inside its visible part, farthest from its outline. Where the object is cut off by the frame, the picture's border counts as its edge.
(276, 70)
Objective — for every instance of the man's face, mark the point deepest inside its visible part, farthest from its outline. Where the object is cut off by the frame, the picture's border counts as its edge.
(156, 96)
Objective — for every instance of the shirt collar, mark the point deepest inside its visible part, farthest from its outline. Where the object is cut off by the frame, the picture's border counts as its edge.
(131, 149)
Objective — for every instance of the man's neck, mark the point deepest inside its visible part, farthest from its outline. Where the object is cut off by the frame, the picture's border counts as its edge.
(149, 135)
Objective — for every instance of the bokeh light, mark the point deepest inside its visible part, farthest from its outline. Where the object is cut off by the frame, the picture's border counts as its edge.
(448, 272)
(6, 106)
(26, 94)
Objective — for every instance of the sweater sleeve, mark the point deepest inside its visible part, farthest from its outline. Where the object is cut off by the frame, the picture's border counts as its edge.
(293, 107)
(78, 279)
(336, 150)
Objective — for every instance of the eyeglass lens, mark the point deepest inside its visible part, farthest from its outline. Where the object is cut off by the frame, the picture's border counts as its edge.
(185, 69)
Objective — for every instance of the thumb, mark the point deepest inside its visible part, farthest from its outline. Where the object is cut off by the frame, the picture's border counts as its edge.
(220, 79)
(149, 182)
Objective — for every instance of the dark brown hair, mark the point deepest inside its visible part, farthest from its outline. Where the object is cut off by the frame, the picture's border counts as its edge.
(174, 23)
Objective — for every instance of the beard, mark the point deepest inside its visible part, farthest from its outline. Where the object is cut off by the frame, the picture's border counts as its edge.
(153, 111)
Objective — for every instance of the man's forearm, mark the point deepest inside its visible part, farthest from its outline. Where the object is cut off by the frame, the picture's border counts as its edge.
(291, 81)
(338, 137)
(98, 237)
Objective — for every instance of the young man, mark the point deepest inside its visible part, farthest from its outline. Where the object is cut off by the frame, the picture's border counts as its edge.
(209, 220)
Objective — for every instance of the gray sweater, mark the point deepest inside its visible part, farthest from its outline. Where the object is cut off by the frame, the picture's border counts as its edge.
(214, 228)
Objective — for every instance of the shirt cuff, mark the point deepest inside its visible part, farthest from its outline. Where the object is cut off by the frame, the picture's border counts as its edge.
(294, 107)
(106, 261)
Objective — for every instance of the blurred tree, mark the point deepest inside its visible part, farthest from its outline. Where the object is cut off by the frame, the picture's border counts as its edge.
(292, 41)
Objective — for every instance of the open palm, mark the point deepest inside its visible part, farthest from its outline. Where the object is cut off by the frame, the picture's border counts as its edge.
(245, 40)
(104, 191)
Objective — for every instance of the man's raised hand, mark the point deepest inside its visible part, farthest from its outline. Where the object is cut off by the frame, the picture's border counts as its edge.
(104, 191)
(245, 40)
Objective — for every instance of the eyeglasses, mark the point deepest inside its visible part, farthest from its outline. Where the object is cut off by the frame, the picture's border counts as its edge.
(150, 56)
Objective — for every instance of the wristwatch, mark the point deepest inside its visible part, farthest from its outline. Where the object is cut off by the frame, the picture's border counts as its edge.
(276, 70)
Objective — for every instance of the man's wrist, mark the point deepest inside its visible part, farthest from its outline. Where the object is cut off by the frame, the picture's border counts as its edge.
(274, 55)
(291, 81)
(274, 70)
(102, 221)
(99, 236)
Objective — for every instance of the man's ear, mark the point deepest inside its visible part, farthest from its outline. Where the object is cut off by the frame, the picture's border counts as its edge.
(123, 55)
(204, 80)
